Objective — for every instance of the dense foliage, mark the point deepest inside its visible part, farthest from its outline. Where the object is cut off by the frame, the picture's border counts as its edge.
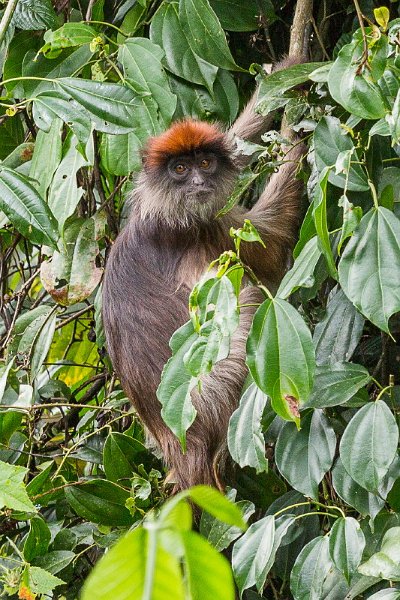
(315, 437)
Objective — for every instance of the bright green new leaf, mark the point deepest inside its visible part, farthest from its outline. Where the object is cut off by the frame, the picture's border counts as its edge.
(38, 581)
(369, 444)
(346, 545)
(303, 457)
(126, 570)
(369, 270)
(245, 436)
(26, 209)
(13, 493)
(382, 16)
(217, 505)
(280, 356)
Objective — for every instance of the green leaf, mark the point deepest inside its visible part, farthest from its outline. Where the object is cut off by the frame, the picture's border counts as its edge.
(100, 501)
(127, 568)
(321, 221)
(370, 267)
(46, 156)
(311, 570)
(385, 564)
(121, 455)
(38, 581)
(387, 594)
(12, 489)
(216, 505)
(351, 218)
(382, 16)
(205, 34)
(337, 335)
(353, 494)
(234, 15)
(176, 384)
(141, 60)
(272, 87)
(303, 457)
(71, 275)
(330, 139)
(357, 91)
(38, 539)
(335, 384)
(369, 444)
(26, 209)
(55, 561)
(34, 14)
(120, 154)
(346, 545)
(280, 356)
(67, 36)
(218, 533)
(64, 193)
(41, 344)
(245, 437)
(254, 553)
(208, 573)
(167, 31)
(301, 274)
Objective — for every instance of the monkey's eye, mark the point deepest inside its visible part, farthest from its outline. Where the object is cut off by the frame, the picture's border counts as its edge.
(180, 168)
(205, 163)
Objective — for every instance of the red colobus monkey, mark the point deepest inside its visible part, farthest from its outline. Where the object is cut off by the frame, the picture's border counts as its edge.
(171, 237)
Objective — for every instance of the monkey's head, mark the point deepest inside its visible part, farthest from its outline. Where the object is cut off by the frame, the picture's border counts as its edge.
(188, 173)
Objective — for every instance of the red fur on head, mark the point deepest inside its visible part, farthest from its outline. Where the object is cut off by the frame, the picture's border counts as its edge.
(184, 137)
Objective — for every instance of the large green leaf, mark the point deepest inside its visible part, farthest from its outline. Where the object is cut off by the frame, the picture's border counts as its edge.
(254, 553)
(176, 384)
(71, 274)
(234, 15)
(353, 494)
(46, 156)
(280, 356)
(311, 570)
(205, 34)
(141, 60)
(167, 31)
(346, 545)
(120, 154)
(34, 14)
(336, 336)
(245, 437)
(303, 457)
(335, 384)
(357, 92)
(330, 140)
(26, 209)
(100, 501)
(135, 566)
(13, 493)
(64, 193)
(385, 564)
(369, 270)
(301, 274)
(369, 444)
(69, 35)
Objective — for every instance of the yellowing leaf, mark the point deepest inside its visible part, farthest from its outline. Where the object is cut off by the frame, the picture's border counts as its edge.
(382, 16)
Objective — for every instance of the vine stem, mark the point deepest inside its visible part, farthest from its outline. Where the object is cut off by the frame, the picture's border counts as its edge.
(5, 21)
(360, 18)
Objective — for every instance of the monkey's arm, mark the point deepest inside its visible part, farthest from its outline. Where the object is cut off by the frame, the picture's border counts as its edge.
(276, 217)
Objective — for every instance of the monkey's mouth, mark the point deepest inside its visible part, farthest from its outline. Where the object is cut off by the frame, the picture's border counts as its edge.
(203, 194)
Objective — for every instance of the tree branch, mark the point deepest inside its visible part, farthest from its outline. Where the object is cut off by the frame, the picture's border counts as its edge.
(5, 21)
(298, 35)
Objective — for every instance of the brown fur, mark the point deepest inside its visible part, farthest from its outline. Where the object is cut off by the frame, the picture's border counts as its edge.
(153, 265)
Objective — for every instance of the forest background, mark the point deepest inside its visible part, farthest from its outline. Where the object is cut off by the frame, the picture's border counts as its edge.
(314, 512)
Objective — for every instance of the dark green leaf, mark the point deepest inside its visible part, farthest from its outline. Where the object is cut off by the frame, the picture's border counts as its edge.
(38, 539)
(301, 274)
(346, 545)
(336, 383)
(121, 454)
(303, 457)
(99, 501)
(353, 494)
(34, 14)
(369, 444)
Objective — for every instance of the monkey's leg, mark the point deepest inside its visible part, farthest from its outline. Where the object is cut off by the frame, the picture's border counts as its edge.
(219, 397)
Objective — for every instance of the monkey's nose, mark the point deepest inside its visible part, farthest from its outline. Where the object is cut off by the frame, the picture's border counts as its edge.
(197, 180)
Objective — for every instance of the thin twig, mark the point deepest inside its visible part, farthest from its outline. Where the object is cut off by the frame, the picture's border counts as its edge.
(89, 10)
(360, 17)
(6, 19)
